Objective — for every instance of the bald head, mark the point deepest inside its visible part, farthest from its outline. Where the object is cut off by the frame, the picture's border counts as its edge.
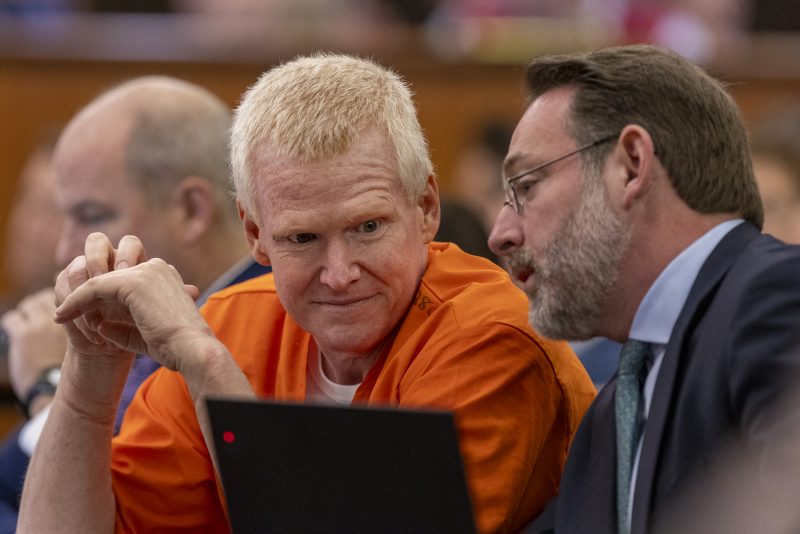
(150, 158)
(167, 129)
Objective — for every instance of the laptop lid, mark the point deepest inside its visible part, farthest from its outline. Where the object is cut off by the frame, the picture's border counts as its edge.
(308, 468)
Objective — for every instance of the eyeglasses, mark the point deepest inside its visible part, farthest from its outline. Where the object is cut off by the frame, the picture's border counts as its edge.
(513, 196)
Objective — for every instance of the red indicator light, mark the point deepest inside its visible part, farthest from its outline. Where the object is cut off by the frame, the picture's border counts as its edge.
(228, 436)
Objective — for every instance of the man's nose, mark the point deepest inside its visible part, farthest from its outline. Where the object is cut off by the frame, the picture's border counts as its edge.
(506, 235)
(340, 267)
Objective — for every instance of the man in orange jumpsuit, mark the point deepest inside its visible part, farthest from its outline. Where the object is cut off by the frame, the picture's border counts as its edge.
(337, 194)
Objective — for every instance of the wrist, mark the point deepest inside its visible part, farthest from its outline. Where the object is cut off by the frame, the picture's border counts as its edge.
(201, 358)
(210, 369)
(91, 385)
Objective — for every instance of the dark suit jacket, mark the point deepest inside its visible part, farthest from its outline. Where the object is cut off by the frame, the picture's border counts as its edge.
(732, 352)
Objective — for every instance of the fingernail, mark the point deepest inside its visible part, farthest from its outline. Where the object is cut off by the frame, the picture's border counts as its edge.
(122, 265)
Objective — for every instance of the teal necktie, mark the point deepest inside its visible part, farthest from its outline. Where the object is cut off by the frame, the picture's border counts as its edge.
(626, 405)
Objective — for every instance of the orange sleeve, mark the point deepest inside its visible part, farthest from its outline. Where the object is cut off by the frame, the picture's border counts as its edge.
(161, 465)
(515, 420)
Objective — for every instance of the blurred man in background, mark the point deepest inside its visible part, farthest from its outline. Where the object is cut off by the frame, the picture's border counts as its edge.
(32, 230)
(33, 226)
(149, 157)
(776, 163)
(29, 266)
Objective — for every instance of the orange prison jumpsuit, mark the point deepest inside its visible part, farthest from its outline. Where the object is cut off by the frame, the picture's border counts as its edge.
(464, 346)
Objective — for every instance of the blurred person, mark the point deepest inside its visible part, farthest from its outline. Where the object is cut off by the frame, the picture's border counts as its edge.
(148, 157)
(33, 225)
(632, 213)
(36, 347)
(477, 170)
(459, 224)
(776, 163)
(32, 229)
(778, 187)
(337, 193)
(29, 266)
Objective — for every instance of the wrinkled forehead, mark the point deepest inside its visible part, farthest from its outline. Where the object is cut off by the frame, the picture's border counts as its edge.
(370, 156)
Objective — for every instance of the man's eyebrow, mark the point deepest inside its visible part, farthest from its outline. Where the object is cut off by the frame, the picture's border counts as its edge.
(513, 162)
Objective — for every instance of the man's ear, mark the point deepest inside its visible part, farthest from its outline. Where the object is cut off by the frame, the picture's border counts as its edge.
(635, 159)
(195, 199)
(431, 211)
(252, 232)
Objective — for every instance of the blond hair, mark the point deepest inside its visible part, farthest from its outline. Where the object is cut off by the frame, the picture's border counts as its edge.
(313, 108)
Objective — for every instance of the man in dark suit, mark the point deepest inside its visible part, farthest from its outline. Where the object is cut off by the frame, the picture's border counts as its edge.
(632, 213)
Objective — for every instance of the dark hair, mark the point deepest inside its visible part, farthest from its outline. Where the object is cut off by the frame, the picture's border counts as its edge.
(696, 127)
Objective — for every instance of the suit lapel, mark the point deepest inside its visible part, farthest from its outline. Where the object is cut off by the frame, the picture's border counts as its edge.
(586, 502)
(708, 279)
(602, 488)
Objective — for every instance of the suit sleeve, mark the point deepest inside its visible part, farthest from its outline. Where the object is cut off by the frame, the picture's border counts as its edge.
(764, 351)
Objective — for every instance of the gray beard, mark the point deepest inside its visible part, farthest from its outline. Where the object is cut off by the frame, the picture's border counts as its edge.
(574, 274)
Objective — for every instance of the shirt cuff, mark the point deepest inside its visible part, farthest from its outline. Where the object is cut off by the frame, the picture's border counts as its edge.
(29, 435)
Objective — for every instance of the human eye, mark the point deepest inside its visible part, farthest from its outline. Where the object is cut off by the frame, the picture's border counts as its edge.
(302, 238)
(369, 226)
(525, 187)
(92, 215)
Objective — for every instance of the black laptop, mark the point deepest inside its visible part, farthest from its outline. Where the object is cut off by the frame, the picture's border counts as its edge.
(306, 468)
